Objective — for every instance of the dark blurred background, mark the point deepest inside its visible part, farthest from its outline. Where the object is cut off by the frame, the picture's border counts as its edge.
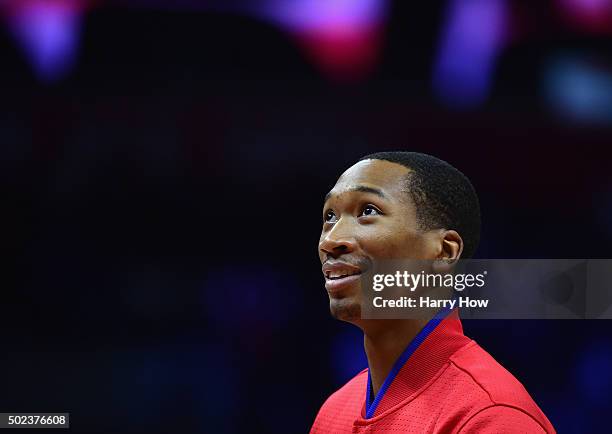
(163, 165)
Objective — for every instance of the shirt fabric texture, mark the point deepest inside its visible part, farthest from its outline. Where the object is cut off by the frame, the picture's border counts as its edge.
(446, 384)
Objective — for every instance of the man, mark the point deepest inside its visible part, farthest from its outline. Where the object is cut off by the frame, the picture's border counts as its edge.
(424, 375)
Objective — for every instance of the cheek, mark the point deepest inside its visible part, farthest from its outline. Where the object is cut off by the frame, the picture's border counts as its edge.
(390, 242)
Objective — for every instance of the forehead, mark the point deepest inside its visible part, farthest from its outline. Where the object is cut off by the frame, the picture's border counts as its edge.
(383, 175)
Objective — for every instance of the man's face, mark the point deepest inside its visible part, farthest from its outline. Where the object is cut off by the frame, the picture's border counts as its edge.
(367, 217)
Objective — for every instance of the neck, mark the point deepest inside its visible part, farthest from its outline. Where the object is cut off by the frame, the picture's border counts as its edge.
(384, 343)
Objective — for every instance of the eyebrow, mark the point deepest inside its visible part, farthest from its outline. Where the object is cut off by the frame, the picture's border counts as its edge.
(362, 189)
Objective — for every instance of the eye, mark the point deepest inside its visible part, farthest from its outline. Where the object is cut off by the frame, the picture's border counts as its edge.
(329, 217)
(370, 210)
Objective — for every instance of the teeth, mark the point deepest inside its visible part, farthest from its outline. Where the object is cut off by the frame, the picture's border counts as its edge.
(340, 274)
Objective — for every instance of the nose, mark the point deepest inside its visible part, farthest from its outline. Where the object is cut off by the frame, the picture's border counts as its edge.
(337, 241)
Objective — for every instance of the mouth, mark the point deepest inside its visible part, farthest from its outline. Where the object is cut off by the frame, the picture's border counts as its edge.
(338, 277)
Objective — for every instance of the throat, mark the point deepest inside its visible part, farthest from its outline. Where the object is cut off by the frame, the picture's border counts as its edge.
(385, 347)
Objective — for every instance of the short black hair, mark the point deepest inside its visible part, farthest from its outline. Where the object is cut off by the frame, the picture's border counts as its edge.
(444, 197)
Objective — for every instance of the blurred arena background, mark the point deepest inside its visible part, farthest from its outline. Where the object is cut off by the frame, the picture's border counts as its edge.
(163, 165)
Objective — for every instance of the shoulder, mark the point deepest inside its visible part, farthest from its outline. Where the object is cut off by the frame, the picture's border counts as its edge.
(343, 406)
(509, 401)
(504, 419)
(499, 384)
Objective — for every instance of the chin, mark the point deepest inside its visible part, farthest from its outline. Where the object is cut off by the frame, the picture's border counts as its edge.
(345, 309)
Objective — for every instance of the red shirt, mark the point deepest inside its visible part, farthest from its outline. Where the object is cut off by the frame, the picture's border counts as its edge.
(443, 383)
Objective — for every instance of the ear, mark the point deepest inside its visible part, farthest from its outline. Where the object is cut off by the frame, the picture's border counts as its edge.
(451, 247)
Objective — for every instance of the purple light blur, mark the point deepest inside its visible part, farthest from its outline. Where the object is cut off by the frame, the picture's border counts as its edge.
(474, 33)
(48, 32)
(339, 15)
(588, 6)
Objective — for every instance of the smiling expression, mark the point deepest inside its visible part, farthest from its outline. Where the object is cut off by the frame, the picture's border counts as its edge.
(367, 216)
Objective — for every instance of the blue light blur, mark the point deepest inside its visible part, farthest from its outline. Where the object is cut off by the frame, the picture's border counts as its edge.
(147, 380)
(255, 296)
(348, 357)
(471, 40)
(594, 375)
(579, 90)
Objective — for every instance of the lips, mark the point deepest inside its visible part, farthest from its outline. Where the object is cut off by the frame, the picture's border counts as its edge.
(339, 275)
